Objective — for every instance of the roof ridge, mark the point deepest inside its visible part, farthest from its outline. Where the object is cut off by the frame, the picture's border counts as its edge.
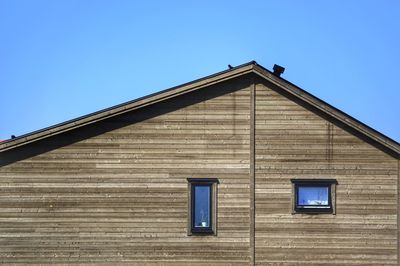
(232, 72)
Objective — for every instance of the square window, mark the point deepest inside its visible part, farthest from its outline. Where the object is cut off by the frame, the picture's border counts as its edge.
(313, 195)
(202, 205)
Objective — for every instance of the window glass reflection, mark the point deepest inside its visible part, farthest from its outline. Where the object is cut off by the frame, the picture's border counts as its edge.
(315, 196)
(202, 206)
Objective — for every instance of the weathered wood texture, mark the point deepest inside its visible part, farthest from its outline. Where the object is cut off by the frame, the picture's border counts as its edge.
(293, 142)
(121, 194)
(115, 191)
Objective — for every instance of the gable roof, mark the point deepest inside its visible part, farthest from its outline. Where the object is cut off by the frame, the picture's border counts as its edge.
(389, 145)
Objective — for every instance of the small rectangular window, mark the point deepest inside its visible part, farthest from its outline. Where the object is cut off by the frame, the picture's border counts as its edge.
(313, 195)
(202, 209)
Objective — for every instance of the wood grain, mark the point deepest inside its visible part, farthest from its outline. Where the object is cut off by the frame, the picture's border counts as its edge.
(120, 196)
(293, 142)
(115, 191)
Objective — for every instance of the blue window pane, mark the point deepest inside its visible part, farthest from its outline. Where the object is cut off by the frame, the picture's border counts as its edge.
(314, 196)
(202, 206)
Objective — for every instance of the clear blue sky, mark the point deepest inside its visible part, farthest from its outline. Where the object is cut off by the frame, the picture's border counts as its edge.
(66, 58)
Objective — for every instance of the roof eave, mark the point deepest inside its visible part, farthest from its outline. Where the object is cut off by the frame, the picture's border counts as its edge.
(128, 106)
(329, 110)
(250, 67)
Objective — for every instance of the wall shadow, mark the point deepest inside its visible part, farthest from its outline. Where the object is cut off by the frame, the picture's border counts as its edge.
(132, 117)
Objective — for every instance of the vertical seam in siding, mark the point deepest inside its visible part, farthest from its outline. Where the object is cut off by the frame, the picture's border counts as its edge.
(252, 172)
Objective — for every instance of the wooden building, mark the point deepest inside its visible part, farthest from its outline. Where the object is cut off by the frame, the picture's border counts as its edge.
(237, 168)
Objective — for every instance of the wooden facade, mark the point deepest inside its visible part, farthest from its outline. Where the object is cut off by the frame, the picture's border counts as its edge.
(111, 187)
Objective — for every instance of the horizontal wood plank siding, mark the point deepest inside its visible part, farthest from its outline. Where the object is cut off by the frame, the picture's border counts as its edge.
(121, 196)
(116, 191)
(293, 142)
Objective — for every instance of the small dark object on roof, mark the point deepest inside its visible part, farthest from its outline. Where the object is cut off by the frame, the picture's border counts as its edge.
(278, 70)
(230, 67)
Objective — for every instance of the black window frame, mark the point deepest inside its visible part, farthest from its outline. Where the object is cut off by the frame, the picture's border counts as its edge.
(314, 209)
(211, 228)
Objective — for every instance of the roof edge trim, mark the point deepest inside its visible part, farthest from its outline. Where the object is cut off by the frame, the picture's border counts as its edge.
(250, 67)
(329, 110)
(127, 106)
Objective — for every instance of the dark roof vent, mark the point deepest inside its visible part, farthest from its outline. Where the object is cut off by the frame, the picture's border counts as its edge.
(278, 70)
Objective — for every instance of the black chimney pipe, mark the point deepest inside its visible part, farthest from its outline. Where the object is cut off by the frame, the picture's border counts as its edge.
(278, 70)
